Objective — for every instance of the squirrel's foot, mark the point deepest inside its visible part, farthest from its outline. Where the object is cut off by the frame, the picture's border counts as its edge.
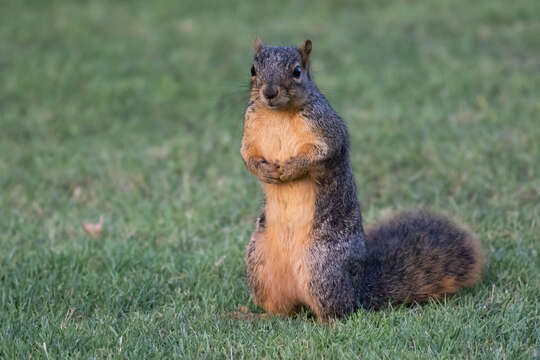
(268, 172)
(293, 169)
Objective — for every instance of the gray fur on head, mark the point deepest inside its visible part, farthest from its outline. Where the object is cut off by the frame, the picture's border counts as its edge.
(281, 75)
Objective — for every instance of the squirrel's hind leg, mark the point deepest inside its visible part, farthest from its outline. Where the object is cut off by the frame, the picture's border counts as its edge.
(336, 269)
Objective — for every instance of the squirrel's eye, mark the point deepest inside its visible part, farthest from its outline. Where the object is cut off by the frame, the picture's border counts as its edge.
(253, 72)
(296, 72)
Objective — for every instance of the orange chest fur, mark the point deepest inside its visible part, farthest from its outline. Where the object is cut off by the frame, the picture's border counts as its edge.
(278, 135)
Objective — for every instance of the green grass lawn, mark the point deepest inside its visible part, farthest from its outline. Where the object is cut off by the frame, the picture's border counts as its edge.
(132, 110)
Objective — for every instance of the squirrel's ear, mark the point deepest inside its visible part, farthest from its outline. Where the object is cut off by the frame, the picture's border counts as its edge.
(305, 50)
(258, 44)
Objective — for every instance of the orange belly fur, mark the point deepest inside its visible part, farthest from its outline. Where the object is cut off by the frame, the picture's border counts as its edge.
(289, 212)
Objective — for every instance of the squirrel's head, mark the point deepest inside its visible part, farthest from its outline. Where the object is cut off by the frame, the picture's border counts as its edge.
(280, 76)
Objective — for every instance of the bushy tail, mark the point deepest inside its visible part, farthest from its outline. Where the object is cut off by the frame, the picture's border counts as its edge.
(415, 256)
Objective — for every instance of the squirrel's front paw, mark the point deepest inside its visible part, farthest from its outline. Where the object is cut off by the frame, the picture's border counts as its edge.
(268, 172)
(292, 169)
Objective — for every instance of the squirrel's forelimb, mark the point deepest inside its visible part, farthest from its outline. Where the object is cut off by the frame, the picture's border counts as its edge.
(265, 171)
(307, 160)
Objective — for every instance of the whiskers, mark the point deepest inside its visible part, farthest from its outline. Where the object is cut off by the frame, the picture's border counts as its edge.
(228, 105)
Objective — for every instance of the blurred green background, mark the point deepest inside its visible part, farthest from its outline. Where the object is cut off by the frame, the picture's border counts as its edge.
(132, 111)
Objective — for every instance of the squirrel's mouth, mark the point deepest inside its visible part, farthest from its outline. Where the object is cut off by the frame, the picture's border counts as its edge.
(273, 107)
(278, 99)
(275, 104)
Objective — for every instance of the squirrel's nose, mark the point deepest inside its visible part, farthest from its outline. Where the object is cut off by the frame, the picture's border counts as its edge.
(270, 92)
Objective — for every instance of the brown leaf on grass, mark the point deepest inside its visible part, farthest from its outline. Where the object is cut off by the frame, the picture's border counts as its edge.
(94, 229)
(185, 26)
(220, 260)
(77, 192)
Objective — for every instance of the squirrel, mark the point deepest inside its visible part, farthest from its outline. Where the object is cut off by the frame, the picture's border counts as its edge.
(309, 247)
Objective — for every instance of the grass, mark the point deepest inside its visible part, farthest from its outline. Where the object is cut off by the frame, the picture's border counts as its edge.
(133, 111)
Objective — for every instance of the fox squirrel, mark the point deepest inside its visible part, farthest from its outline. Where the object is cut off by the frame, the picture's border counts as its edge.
(309, 247)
